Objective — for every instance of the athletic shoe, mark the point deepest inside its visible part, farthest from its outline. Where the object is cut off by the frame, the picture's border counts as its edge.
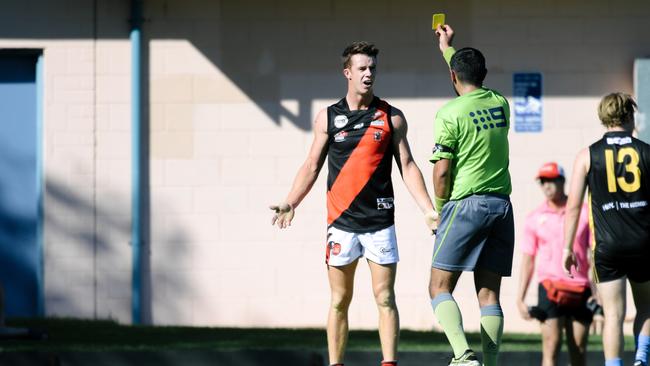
(467, 359)
(640, 363)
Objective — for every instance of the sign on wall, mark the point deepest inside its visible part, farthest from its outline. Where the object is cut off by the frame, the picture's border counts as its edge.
(527, 95)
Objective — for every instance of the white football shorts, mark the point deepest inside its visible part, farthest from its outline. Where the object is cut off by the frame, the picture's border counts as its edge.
(344, 247)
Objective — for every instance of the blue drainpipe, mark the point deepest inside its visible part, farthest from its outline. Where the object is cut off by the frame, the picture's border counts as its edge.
(136, 130)
(40, 310)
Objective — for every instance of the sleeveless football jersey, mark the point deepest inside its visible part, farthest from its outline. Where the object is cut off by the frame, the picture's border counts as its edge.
(619, 195)
(359, 188)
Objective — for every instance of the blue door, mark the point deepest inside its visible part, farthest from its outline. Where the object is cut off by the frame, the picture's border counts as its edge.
(20, 252)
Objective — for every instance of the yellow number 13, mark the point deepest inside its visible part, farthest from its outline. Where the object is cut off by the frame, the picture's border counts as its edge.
(631, 167)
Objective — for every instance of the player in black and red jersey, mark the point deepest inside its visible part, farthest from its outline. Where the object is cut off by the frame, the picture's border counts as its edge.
(616, 169)
(360, 135)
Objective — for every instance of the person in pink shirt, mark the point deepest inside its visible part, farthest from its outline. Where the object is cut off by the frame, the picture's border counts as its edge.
(562, 303)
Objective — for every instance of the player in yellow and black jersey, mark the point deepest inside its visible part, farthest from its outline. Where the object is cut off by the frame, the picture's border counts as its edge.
(619, 194)
(616, 170)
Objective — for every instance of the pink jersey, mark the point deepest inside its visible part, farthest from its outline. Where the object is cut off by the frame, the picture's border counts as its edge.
(544, 239)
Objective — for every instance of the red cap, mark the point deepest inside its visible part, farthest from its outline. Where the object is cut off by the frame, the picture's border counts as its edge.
(550, 171)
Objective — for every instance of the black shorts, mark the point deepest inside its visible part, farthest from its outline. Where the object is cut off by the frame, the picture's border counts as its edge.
(553, 310)
(610, 268)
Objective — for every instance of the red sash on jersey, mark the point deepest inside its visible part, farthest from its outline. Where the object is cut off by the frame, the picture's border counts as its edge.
(358, 169)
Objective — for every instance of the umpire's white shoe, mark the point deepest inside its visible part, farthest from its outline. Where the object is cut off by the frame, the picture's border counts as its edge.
(467, 359)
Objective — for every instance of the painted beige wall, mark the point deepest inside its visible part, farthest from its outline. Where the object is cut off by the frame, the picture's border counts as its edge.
(233, 88)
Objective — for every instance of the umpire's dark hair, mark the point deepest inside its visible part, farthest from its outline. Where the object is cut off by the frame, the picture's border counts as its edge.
(469, 65)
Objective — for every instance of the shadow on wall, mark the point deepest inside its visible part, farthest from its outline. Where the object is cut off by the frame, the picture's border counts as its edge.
(88, 258)
(289, 50)
(276, 51)
(86, 253)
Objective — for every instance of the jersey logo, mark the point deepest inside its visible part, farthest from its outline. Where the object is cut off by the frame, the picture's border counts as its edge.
(377, 135)
(358, 126)
(619, 140)
(331, 248)
(340, 121)
(339, 137)
(385, 203)
(489, 118)
(335, 248)
(618, 205)
(377, 122)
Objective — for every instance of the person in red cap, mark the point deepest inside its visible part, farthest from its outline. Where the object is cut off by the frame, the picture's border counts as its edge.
(562, 301)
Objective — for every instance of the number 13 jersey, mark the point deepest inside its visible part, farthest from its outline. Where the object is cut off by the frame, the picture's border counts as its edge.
(619, 195)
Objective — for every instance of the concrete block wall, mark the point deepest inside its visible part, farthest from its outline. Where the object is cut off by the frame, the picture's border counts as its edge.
(257, 73)
(86, 146)
(232, 90)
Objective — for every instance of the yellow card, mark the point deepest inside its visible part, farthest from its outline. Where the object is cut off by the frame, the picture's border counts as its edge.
(438, 19)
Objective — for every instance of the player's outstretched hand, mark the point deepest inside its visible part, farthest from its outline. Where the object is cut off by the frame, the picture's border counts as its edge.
(568, 261)
(431, 219)
(284, 213)
(445, 36)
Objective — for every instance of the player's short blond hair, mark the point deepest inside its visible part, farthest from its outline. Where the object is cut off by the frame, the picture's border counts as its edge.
(616, 109)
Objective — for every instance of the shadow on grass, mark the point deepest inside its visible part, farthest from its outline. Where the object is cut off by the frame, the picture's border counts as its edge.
(93, 336)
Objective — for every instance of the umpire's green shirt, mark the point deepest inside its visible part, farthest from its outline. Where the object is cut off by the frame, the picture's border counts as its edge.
(472, 132)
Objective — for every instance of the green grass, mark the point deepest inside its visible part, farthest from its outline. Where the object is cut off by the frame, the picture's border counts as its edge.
(102, 335)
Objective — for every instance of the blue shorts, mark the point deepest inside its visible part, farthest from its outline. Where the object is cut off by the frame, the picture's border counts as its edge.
(476, 232)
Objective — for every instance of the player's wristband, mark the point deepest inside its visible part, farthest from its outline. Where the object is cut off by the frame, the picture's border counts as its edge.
(438, 203)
